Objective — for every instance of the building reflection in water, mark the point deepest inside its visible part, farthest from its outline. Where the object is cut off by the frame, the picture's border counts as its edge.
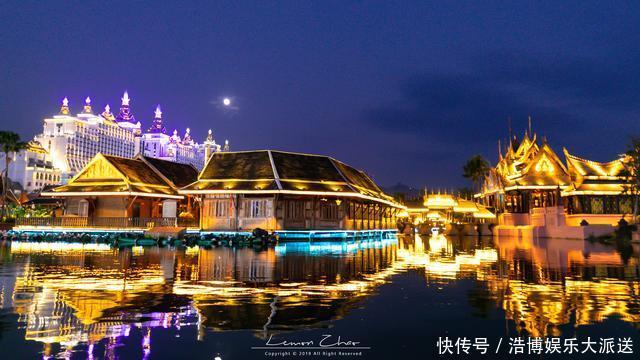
(92, 296)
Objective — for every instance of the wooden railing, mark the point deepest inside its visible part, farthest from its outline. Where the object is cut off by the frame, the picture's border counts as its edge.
(105, 222)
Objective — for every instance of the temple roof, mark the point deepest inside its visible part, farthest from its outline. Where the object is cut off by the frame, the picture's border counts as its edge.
(544, 169)
(583, 167)
(594, 177)
(279, 171)
(532, 166)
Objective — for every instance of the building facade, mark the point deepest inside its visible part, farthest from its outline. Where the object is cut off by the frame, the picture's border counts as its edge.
(72, 141)
(157, 144)
(275, 190)
(32, 168)
(113, 191)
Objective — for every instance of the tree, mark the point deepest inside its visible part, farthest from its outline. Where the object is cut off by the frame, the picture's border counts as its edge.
(10, 143)
(632, 171)
(476, 169)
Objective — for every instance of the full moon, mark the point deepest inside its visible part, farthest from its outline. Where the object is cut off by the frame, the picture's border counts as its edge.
(226, 101)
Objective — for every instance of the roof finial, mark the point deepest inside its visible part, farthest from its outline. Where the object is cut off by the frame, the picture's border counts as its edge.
(87, 106)
(125, 99)
(125, 113)
(156, 126)
(107, 113)
(530, 133)
(64, 109)
(499, 150)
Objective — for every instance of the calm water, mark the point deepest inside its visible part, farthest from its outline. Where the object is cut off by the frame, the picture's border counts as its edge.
(395, 297)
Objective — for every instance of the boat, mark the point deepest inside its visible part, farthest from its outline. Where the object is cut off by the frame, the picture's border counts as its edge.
(125, 241)
(146, 242)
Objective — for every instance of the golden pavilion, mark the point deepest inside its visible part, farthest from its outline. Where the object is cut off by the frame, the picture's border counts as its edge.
(532, 186)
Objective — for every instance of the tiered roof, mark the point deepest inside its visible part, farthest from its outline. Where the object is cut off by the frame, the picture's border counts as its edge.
(529, 165)
(269, 171)
(592, 177)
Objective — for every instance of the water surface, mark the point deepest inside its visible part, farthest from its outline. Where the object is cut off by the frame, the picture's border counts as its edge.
(394, 296)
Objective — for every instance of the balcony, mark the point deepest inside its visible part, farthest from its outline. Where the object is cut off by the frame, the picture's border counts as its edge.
(119, 223)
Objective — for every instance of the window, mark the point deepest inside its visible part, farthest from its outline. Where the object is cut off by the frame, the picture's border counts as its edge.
(295, 210)
(219, 208)
(597, 205)
(328, 211)
(626, 207)
(257, 208)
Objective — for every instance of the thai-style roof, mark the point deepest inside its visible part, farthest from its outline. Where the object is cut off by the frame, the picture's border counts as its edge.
(592, 177)
(270, 171)
(178, 174)
(544, 169)
(114, 175)
(532, 166)
(483, 213)
(581, 167)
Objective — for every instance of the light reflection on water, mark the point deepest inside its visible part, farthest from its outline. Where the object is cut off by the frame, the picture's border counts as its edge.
(92, 296)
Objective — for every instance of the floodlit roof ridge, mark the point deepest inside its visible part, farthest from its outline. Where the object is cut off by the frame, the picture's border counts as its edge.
(276, 176)
(157, 171)
(574, 157)
(349, 184)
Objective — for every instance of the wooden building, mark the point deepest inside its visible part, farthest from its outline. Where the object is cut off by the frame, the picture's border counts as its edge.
(276, 190)
(113, 191)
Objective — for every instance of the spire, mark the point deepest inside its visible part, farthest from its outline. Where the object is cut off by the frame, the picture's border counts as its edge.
(186, 140)
(125, 112)
(125, 99)
(87, 106)
(156, 126)
(530, 133)
(174, 138)
(64, 109)
(107, 113)
(210, 136)
(499, 150)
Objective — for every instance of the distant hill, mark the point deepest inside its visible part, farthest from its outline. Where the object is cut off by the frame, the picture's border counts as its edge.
(400, 188)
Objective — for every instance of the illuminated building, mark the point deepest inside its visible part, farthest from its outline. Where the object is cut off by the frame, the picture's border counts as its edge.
(32, 168)
(236, 191)
(114, 189)
(531, 186)
(446, 208)
(276, 190)
(72, 141)
(156, 143)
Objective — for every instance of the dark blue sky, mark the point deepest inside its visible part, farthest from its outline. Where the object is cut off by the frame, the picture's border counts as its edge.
(404, 90)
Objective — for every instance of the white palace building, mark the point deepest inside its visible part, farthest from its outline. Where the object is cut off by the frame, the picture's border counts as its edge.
(68, 142)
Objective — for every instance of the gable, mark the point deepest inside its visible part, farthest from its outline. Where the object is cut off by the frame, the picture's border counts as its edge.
(99, 169)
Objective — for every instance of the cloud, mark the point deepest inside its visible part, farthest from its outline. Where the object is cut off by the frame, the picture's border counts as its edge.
(472, 106)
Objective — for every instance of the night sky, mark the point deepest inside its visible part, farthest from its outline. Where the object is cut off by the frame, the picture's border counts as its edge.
(405, 90)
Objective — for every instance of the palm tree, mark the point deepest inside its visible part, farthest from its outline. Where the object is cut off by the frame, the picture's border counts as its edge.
(476, 169)
(9, 143)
